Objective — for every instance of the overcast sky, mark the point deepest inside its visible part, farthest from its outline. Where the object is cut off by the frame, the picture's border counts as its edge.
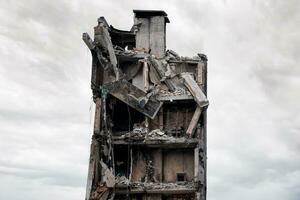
(254, 91)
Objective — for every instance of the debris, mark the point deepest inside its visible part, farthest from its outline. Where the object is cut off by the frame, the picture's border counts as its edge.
(161, 72)
(194, 122)
(173, 54)
(103, 39)
(108, 177)
(150, 172)
(132, 96)
(122, 180)
(179, 91)
(101, 193)
(170, 70)
(139, 131)
(138, 128)
(154, 77)
(146, 75)
(162, 186)
(88, 41)
(195, 90)
(157, 134)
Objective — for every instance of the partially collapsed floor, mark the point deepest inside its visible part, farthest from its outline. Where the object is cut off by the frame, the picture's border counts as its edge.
(149, 139)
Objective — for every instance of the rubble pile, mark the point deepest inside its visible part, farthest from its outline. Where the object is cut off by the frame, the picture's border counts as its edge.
(139, 131)
(122, 180)
(156, 186)
(157, 134)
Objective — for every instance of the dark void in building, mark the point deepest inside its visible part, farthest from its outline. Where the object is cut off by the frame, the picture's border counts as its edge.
(149, 138)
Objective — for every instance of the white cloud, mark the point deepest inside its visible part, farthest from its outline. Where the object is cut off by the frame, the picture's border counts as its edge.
(253, 125)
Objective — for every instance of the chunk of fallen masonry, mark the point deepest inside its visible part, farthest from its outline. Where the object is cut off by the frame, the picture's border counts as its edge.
(195, 90)
(132, 96)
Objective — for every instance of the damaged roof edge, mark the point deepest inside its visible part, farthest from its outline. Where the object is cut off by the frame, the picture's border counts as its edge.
(150, 13)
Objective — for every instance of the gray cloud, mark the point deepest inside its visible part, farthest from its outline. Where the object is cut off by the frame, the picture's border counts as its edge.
(253, 125)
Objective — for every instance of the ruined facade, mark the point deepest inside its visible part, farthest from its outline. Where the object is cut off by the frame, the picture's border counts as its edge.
(149, 139)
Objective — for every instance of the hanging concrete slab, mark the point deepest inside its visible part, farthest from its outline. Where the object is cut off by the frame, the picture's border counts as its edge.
(134, 97)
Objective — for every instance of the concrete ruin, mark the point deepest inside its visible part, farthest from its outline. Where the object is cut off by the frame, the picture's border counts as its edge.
(149, 138)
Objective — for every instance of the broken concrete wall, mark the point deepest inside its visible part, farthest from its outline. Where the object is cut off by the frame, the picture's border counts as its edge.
(178, 165)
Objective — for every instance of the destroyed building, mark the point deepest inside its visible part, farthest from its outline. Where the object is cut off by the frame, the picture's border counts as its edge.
(149, 138)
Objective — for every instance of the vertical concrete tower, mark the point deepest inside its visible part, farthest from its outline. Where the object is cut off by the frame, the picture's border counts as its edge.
(151, 34)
